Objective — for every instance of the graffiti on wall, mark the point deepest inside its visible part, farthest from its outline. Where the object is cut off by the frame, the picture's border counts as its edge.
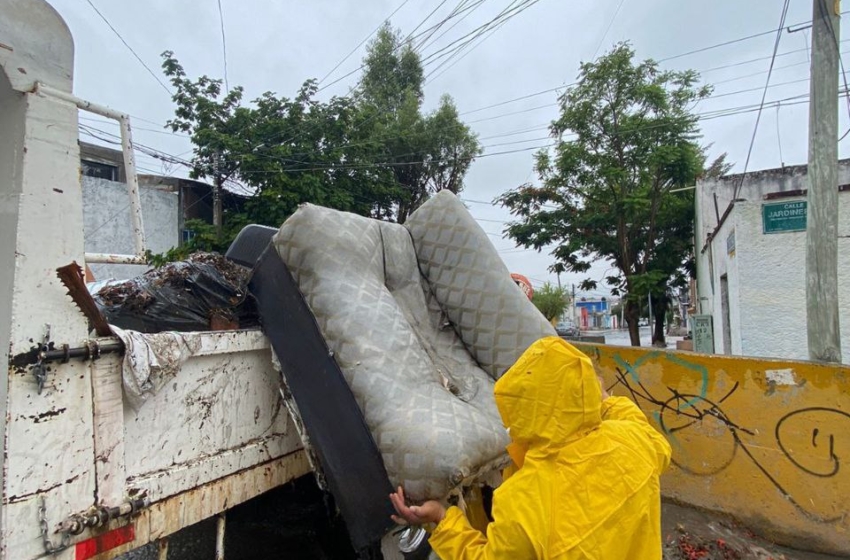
(798, 443)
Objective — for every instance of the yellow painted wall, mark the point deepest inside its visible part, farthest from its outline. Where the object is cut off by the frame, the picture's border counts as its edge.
(767, 441)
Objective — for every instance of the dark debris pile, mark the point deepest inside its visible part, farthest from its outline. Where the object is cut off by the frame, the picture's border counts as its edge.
(204, 292)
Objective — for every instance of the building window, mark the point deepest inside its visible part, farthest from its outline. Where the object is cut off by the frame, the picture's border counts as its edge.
(188, 235)
(100, 170)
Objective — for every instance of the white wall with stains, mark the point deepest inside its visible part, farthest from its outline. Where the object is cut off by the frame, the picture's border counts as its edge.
(767, 287)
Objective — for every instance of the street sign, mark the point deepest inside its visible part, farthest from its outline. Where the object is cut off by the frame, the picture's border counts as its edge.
(783, 217)
(703, 334)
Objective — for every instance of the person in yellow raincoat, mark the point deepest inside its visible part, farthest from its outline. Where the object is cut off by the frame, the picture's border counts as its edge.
(587, 483)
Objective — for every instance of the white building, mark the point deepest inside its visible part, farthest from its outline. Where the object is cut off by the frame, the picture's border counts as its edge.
(751, 262)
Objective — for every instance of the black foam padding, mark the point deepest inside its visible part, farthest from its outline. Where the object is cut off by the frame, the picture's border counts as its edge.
(250, 244)
(348, 456)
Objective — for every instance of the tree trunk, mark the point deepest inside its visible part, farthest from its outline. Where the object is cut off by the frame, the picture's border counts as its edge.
(632, 318)
(659, 309)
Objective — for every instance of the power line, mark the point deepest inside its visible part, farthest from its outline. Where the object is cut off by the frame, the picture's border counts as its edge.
(503, 115)
(456, 57)
(764, 93)
(434, 28)
(754, 74)
(517, 132)
(451, 49)
(407, 163)
(544, 127)
(530, 95)
(759, 59)
(167, 157)
(760, 88)
(360, 44)
(421, 23)
(731, 42)
(482, 37)
(136, 145)
(468, 9)
(135, 128)
(608, 29)
(223, 45)
(142, 62)
(539, 93)
(401, 44)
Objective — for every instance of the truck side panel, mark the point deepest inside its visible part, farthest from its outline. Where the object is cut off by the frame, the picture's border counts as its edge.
(220, 414)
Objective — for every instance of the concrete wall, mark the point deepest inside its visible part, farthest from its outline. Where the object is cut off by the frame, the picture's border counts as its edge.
(106, 214)
(761, 440)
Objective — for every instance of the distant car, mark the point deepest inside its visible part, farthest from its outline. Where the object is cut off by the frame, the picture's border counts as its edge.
(643, 322)
(565, 328)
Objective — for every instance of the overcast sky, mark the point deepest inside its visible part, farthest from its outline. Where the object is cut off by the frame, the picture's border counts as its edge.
(274, 45)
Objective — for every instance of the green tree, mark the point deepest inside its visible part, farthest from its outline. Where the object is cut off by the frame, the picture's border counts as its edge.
(286, 150)
(425, 152)
(551, 301)
(627, 140)
(303, 150)
(393, 74)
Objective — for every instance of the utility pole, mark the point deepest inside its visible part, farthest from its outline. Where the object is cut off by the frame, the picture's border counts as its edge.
(217, 184)
(576, 323)
(822, 318)
(651, 324)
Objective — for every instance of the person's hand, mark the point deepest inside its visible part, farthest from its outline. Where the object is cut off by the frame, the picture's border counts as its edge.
(605, 394)
(431, 511)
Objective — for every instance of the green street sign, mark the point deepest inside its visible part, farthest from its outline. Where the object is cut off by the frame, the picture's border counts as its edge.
(782, 217)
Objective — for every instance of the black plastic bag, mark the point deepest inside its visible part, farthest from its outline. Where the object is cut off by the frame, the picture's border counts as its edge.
(198, 294)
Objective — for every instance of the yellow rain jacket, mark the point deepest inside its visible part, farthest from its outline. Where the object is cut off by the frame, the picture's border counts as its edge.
(587, 486)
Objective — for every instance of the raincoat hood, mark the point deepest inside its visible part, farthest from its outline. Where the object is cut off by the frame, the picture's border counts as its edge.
(549, 397)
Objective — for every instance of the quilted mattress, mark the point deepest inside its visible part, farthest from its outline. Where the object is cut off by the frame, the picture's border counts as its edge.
(422, 318)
